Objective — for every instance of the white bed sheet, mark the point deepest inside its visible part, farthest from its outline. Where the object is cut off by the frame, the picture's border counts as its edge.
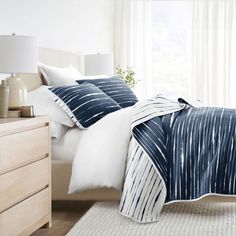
(112, 130)
(65, 148)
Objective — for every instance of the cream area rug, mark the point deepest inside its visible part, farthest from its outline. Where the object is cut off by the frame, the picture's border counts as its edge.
(178, 219)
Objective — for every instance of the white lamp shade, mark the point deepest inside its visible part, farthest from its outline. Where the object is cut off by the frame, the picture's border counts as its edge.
(96, 64)
(18, 54)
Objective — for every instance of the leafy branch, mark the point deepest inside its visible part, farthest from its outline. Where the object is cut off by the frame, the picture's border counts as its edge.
(127, 75)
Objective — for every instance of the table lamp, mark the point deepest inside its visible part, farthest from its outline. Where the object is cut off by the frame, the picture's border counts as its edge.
(18, 55)
(97, 64)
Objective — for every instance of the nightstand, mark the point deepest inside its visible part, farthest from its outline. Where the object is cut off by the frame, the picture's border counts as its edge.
(25, 175)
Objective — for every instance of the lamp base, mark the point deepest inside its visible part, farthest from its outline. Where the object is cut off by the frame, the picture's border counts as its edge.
(17, 93)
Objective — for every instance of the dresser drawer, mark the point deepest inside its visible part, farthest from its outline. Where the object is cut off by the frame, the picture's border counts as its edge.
(21, 148)
(23, 182)
(33, 212)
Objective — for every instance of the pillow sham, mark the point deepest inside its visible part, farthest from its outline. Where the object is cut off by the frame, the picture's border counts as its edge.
(85, 104)
(115, 88)
(41, 99)
(55, 76)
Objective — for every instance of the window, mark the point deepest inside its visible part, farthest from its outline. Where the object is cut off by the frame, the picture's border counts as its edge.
(171, 43)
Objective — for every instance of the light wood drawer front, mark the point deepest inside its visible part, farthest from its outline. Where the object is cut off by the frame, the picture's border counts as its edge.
(16, 220)
(22, 148)
(23, 182)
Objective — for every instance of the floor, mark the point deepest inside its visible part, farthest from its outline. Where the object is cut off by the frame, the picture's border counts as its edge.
(66, 213)
(64, 216)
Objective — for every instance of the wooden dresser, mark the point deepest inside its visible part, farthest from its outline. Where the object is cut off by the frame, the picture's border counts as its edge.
(25, 175)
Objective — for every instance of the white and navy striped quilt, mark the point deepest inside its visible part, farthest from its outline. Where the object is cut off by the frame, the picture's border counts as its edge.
(177, 152)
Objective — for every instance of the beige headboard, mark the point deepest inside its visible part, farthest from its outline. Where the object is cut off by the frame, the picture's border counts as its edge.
(54, 58)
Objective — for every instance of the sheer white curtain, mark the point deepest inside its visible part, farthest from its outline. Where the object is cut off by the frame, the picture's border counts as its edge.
(212, 24)
(133, 41)
(233, 62)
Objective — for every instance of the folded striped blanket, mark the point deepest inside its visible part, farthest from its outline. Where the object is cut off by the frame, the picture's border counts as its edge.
(177, 152)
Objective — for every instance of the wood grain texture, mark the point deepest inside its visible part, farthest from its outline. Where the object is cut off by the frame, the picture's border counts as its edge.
(49, 223)
(22, 218)
(23, 182)
(16, 125)
(22, 148)
(25, 175)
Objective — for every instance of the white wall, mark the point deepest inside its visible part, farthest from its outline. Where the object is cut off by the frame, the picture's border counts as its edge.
(80, 26)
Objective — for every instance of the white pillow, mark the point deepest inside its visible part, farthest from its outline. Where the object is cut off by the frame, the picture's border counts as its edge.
(55, 76)
(41, 99)
(102, 151)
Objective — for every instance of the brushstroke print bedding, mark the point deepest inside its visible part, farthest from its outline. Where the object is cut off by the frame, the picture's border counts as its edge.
(177, 152)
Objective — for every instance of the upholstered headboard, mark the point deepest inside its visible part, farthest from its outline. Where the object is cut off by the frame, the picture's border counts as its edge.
(54, 58)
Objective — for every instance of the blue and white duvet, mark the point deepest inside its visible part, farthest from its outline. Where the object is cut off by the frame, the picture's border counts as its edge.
(177, 152)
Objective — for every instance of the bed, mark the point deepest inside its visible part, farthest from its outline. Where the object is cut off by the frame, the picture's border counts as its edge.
(61, 169)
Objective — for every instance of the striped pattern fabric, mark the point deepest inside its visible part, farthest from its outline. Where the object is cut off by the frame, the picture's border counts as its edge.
(115, 88)
(201, 146)
(177, 152)
(85, 104)
(144, 189)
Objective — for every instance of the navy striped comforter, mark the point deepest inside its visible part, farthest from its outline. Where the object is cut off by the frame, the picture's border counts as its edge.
(177, 152)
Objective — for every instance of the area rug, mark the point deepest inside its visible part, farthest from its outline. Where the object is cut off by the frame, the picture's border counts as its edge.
(178, 219)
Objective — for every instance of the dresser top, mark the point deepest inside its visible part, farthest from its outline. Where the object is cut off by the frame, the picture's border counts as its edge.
(17, 119)
(7, 125)
(7, 120)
